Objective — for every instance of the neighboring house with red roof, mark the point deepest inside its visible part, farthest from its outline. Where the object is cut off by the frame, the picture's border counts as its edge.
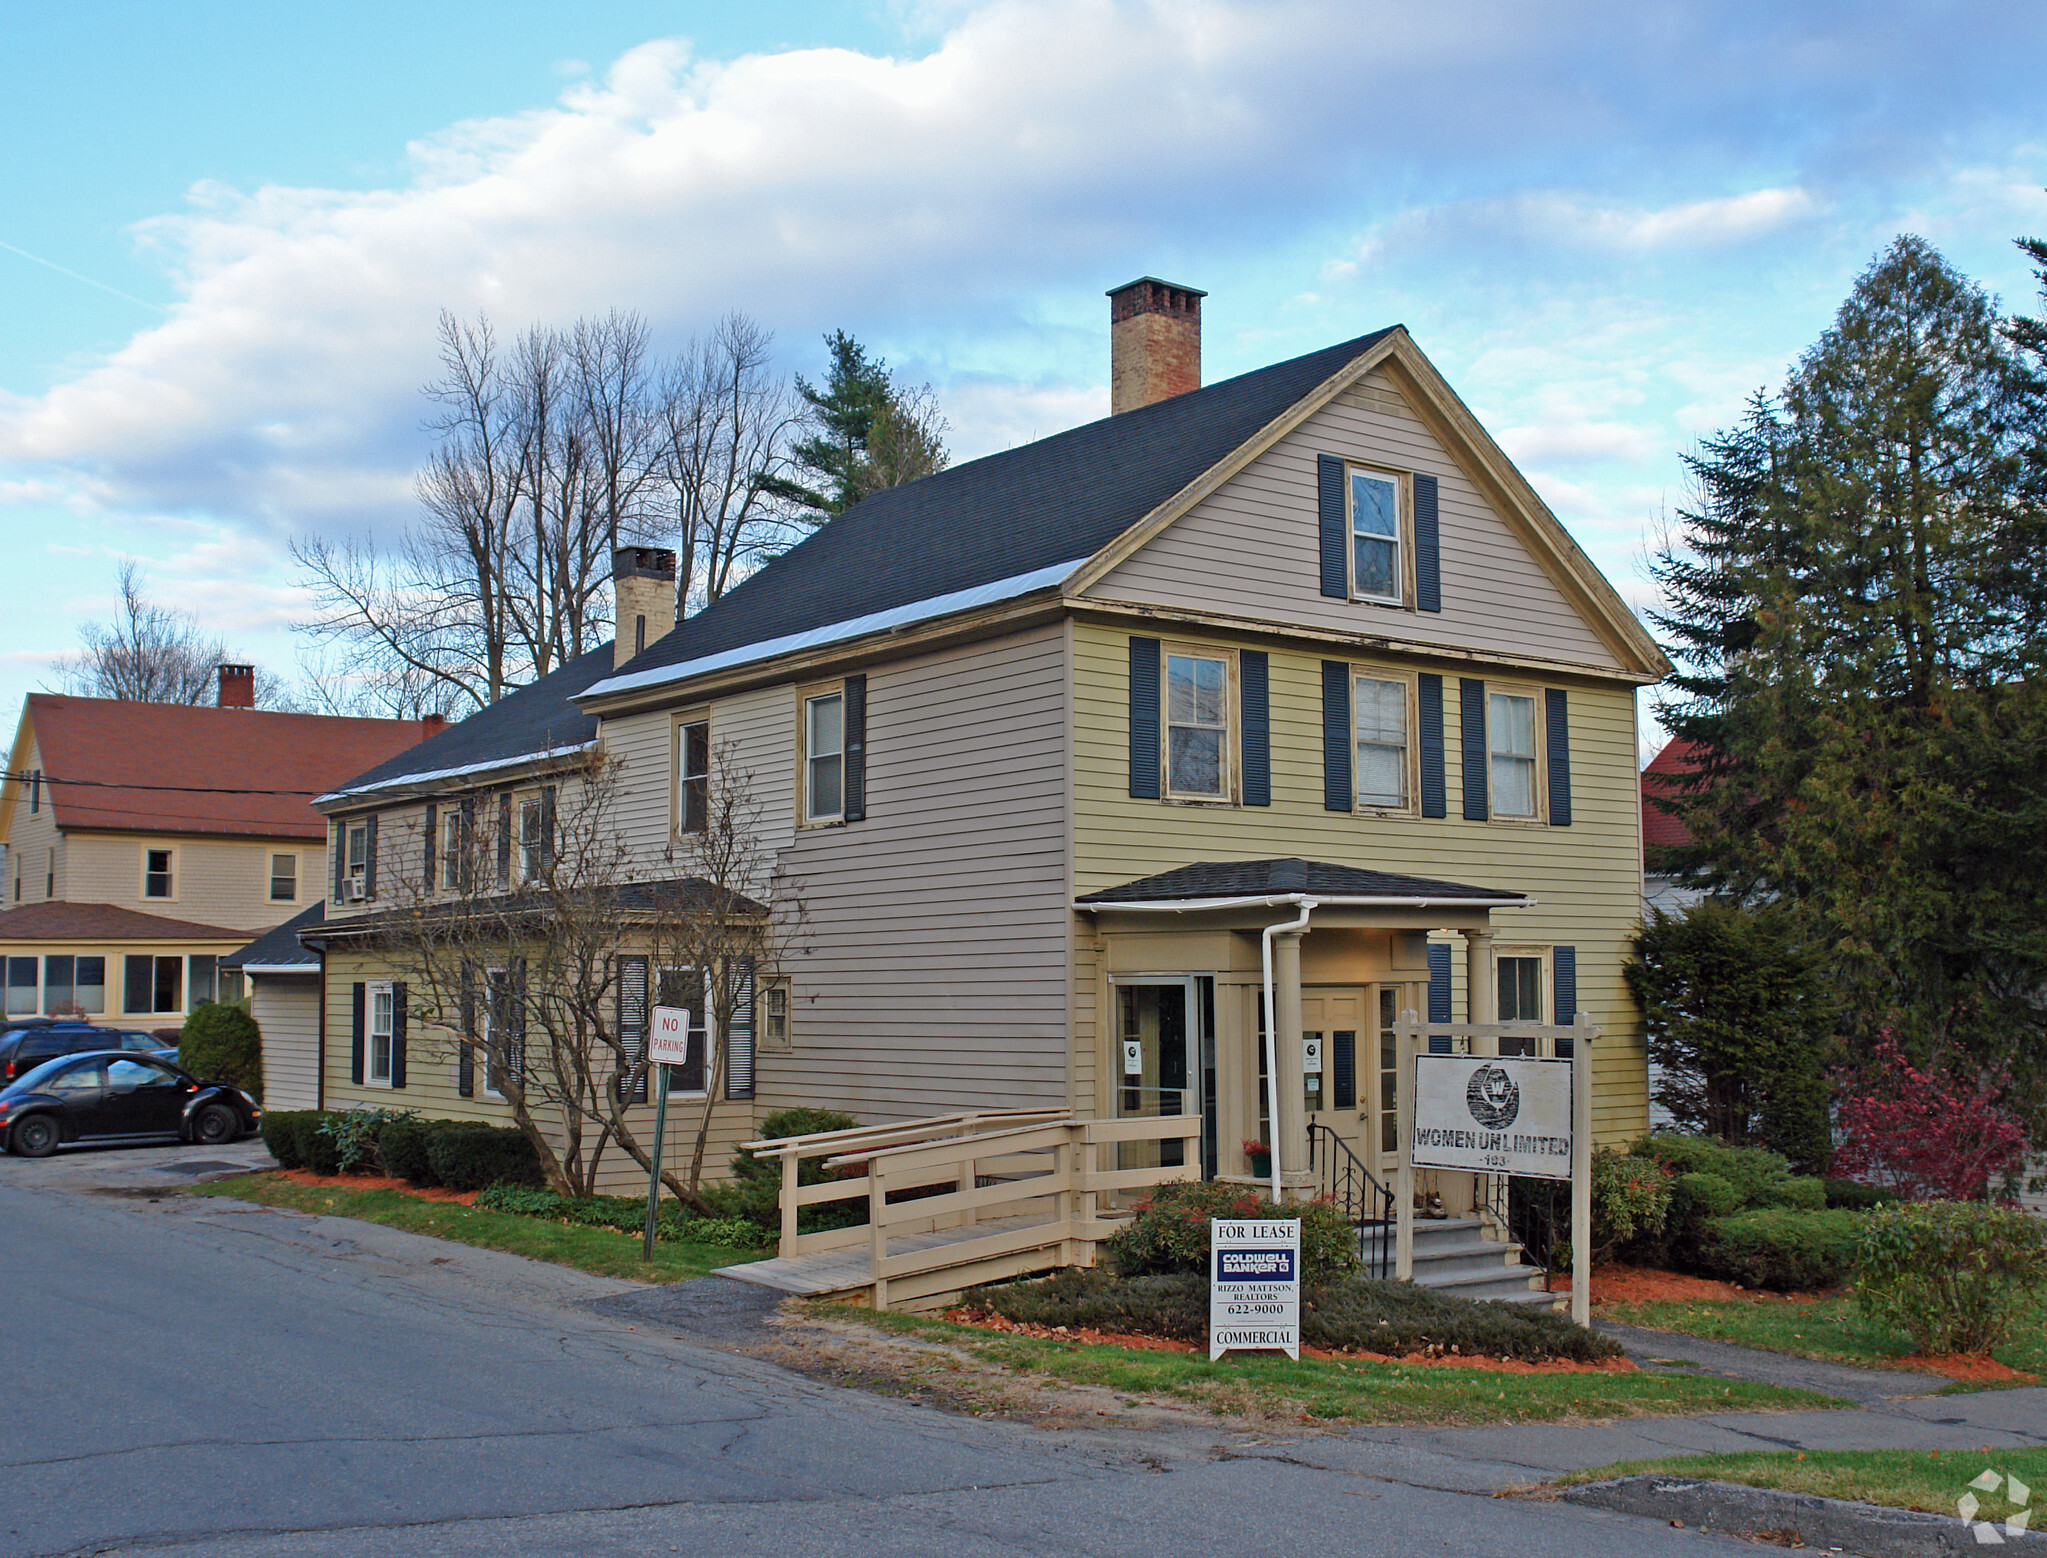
(1660, 830)
(146, 840)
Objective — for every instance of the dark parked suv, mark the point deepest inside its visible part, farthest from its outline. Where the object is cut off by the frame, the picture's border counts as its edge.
(23, 1049)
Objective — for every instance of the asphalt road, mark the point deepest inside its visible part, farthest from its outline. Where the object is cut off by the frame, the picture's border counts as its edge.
(194, 1376)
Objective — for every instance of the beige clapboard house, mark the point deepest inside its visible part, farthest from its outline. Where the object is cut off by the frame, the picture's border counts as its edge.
(1044, 744)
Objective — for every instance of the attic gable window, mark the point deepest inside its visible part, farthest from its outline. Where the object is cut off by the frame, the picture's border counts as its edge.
(1378, 571)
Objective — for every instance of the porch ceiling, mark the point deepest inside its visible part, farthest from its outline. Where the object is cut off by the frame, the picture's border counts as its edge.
(1247, 883)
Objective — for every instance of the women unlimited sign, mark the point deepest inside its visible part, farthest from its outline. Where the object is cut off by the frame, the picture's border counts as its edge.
(1254, 1290)
(1496, 1115)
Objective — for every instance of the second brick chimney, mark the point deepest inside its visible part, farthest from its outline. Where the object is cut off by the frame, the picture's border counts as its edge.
(643, 587)
(1154, 342)
(237, 686)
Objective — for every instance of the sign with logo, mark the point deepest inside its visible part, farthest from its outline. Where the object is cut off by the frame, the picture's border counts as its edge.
(668, 1038)
(1133, 1057)
(1311, 1054)
(1504, 1115)
(1254, 1289)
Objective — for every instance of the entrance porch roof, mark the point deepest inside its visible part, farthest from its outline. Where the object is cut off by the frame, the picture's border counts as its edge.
(1230, 884)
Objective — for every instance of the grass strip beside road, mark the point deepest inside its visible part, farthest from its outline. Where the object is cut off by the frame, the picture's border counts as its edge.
(1341, 1390)
(1828, 1328)
(602, 1252)
(1926, 1480)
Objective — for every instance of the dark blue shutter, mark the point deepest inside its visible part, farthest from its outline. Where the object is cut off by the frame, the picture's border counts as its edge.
(369, 846)
(1253, 673)
(1337, 794)
(1471, 732)
(1557, 719)
(1334, 524)
(358, 996)
(1563, 966)
(1429, 725)
(340, 862)
(854, 801)
(1428, 559)
(465, 1055)
(1344, 1057)
(1439, 996)
(397, 1035)
(1144, 718)
(433, 814)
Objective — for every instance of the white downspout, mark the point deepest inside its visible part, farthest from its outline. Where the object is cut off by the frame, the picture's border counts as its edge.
(1299, 922)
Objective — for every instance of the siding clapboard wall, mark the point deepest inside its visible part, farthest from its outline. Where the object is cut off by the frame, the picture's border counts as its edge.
(287, 1012)
(1254, 547)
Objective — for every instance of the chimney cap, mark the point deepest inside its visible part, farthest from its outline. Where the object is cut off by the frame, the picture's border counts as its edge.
(642, 562)
(1171, 286)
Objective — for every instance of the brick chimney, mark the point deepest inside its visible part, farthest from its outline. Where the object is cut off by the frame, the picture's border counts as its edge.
(237, 686)
(643, 587)
(1154, 342)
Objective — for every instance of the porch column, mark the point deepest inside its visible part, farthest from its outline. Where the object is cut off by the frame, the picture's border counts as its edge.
(1480, 990)
(1289, 1114)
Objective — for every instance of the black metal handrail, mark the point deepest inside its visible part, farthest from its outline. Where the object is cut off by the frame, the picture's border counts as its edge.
(1368, 1206)
(1525, 1209)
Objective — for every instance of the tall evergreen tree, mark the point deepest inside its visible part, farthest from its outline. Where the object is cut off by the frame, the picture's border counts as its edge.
(1856, 605)
(868, 432)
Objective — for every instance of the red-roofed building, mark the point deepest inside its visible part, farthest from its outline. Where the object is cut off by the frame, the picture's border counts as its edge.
(1660, 830)
(146, 840)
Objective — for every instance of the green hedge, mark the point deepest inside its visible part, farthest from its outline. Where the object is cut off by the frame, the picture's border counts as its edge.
(754, 1192)
(1954, 1276)
(1170, 1231)
(468, 1155)
(1786, 1249)
(401, 1149)
(1336, 1313)
(221, 1043)
(281, 1134)
(1858, 1197)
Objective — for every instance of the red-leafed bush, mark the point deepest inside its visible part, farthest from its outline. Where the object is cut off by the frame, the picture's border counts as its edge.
(1927, 1133)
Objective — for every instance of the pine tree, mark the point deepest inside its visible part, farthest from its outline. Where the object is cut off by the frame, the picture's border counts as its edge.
(1857, 608)
(869, 433)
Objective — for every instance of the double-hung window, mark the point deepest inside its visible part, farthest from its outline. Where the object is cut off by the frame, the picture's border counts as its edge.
(1510, 737)
(824, 756)
(157, 878)
(1381, 734)
(1519, 980)
(692, 776)
(532, 846)
(1378, 566)
(359, 857)
(454, 849)
(284, 878)
(383, 1004)
(1197, 727)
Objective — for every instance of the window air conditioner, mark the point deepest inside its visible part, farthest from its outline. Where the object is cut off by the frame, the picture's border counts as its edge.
(357, 891)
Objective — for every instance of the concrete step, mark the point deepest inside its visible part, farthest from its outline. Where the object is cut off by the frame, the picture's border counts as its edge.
(1511, 1284)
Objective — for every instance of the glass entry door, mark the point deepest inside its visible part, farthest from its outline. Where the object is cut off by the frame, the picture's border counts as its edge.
(1160, 1060)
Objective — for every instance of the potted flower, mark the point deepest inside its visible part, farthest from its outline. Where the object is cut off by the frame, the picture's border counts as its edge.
(1259, 1155)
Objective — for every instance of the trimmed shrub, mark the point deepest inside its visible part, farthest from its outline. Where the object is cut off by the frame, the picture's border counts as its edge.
(468, 1155)
(1170, 1231)
(221, 1043)
(1954, 1276)
(755, 1190)
(1783, 1248)
(1630, 1202)
(1341, 1312)
(1800, 1191)
(321, 1152)
(354, 1133)
(401, 1149)
(1757, 1175)
(1857, 1197)
(281, 1130)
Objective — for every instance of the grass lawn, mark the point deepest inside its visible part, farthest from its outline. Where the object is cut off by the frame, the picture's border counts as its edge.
(599, 1251)
(1355, 1391)
(1928, 1480)
(1823, 1328)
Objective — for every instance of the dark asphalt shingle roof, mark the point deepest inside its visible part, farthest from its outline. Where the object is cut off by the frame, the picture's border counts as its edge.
(538, 717)
(1269, 878)
(674, 895)
(1057, 500)
(281, 945)
(59, 920)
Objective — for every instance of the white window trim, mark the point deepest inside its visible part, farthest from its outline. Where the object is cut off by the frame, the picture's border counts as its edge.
(1545, 985)
(298, 875)
(529, 858)
(804, 698)
(176, 873)
(352, 870)
(679, 753)
(1541, 770)
(369, 1032)
(1365, 672)
(1403, 536)
(785, 1044)
(1232, 789)
(710, 1032)
(452, 845)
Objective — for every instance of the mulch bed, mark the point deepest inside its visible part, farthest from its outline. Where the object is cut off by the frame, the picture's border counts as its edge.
(1087, 1335)
(376, 1182)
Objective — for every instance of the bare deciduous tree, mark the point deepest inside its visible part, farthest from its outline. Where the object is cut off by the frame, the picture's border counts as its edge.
(152, 653)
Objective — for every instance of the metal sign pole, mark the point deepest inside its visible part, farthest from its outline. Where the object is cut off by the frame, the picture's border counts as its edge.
(654, 1162)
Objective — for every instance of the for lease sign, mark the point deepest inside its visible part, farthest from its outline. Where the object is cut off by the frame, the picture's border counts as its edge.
(1254, 1291)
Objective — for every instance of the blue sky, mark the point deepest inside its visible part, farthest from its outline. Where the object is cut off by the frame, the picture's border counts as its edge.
(1607, 223)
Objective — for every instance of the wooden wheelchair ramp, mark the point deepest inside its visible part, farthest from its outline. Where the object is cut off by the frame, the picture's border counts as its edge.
(959, 1200)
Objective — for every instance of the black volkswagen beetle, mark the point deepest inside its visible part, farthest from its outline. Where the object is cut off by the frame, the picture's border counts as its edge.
(118, 1095)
